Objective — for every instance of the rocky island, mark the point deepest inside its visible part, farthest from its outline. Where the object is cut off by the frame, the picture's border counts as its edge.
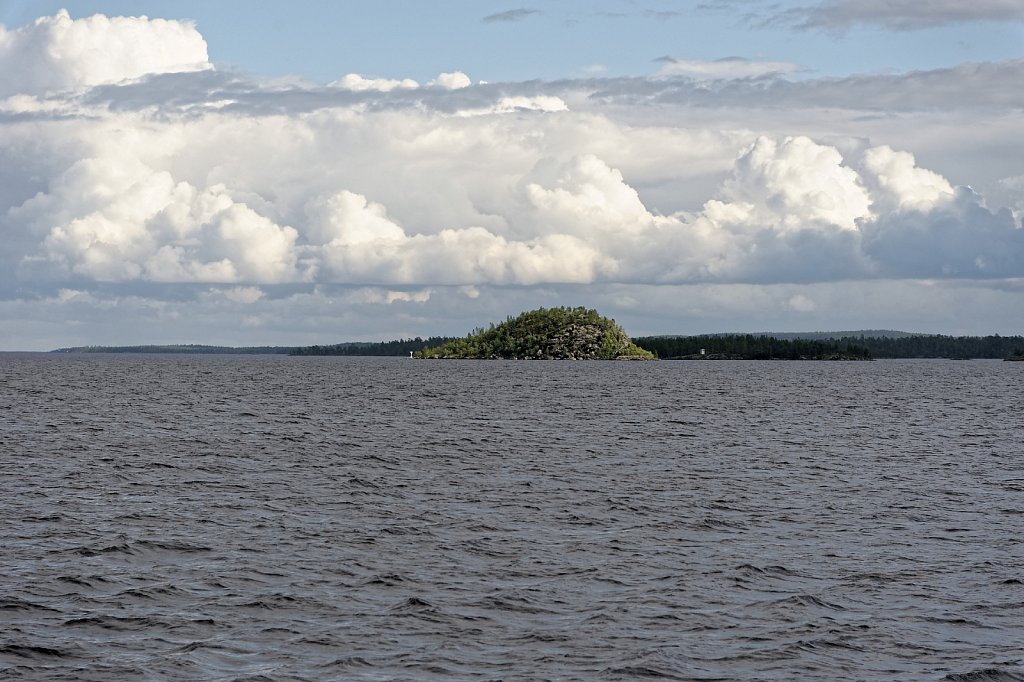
(545, 334)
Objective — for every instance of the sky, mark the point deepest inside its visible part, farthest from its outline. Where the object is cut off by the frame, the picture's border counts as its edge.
(250, 173)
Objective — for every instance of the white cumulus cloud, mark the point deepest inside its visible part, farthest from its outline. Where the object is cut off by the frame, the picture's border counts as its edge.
(901, 184)
(451, 81)
(357, 83)
(795, 184)
(60, 53)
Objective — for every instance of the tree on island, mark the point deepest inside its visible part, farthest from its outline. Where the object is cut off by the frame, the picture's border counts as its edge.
(545, 334)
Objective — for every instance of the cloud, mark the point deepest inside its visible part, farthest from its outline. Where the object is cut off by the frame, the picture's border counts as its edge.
(793, 209)
(451, 81)
(583, 196)
(796, 184)
(1014, 185)
(900, 185)
(967, 86)
(841, 15)
(510, 15)
(728, 67)
(60, 53)
(518, 103)
(663, 15)
(802, 303)
(357, 83)
(247, 295)
(365, 245)
(959, 237)
(114, 218)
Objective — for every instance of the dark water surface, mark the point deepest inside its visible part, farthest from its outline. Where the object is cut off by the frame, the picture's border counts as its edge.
(276, 518)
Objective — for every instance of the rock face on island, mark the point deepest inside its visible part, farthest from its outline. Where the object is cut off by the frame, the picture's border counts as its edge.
(545, 334)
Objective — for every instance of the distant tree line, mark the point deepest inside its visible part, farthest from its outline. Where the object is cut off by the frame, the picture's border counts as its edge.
(765, 347)
(751, 347)
(938, 346)
(189, 348)
(381, 348)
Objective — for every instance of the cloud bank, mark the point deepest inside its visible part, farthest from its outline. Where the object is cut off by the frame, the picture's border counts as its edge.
(130, 171)
(904, 14)
(493, 195)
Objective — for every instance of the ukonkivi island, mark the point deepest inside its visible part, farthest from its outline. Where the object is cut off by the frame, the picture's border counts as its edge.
(544, 334)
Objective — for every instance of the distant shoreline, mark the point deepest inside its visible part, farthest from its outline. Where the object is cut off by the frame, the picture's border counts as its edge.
(716, 347)
(180, 349)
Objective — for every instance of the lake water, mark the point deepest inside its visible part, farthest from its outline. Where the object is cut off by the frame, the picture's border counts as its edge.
(277, 518)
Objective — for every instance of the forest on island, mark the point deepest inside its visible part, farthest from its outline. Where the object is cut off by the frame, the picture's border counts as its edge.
(560, 333)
